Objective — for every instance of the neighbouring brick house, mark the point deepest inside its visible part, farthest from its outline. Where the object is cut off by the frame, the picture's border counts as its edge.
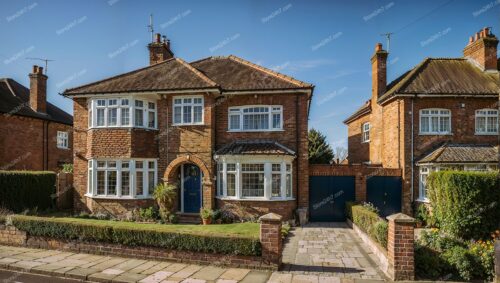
(442, 114)
(226, 130)
(34, 134)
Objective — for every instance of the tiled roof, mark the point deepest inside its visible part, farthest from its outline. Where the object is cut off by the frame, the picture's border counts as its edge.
(233, 73)
(171, 74)
(462, 153)
(226, 73)
(14, 100)
(364, 109)
(444, 76)
(254, 147)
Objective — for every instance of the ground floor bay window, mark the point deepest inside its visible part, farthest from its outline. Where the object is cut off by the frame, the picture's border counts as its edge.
(425, 170)
(122, 179)
(255, 178)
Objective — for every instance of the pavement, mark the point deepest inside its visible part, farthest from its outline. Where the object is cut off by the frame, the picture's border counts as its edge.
(328, 252)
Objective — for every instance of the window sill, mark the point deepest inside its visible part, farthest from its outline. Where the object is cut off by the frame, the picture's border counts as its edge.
(368, 141)
(486, 134)
(119, 198)
(255, 199)
(181, 125)
(424, 200)
(63, 148)
(122, 127)
(254, 131)
(435, 134)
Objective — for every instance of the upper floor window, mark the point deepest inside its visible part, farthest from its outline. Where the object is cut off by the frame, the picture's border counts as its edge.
(122, 112)
(435, 121)
(365, 136)
(256, 118)
(62, 139)
(487, 122)
(188, 110)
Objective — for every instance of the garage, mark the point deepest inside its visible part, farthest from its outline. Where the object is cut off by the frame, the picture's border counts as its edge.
(328, 196)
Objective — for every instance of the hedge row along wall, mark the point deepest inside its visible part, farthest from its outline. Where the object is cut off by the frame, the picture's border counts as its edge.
(135, 236)
(20, 190)
(465, 204)
(369, 222)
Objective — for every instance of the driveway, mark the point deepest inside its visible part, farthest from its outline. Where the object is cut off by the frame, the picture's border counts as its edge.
(326, 252)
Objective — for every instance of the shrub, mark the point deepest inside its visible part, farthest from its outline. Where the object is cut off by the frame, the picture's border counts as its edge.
(465, 203)
(21, 190)
(366, 218)
(165, 195)
(67, 168)
(428, 263)
(462, 262)
(379, 232)
(135, 235)
(206, 213)
(149, 214)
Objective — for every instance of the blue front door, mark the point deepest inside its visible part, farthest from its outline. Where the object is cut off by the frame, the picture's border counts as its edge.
(191, 184)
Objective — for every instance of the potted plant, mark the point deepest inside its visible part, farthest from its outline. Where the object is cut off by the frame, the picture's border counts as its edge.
(206, 215)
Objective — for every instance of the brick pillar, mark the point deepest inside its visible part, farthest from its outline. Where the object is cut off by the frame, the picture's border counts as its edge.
(270, 238)
(497, 261)
(400, 247)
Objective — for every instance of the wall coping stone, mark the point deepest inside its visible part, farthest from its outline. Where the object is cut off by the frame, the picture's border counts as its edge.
(271, 217)
(401, 218)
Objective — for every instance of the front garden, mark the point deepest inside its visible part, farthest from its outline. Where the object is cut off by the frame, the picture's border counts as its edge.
(465, 220)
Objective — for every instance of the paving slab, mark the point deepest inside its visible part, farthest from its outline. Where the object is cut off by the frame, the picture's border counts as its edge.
(24, 265)
(81, 273)
(209, 273)
(234, 274)
(156, 277)
(128, 277)
(256, 277)
(186, 272)
(280, 278)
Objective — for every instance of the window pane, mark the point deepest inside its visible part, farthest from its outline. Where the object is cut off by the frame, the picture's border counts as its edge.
(125, 165)
(252, 167)
(139, 103)
(139, 118)
(151, 182)
(434, 124)
(276, 185)
(256, 121)
(125, 116)
(111, 182)
(444, 124)
(125, 183)
(253, 184)
(100, 117)
(112, 116)
(151, 119)
(288, 185)
(187, 114)
(100, 182)
(198, 101)
(151, 105)
(424, 123)
(197, 111)
(277, 121)
(101, 102)
(220, 180)
(178, 101)
(231, 167)
(231, 185)
(234, 122)
(113, 102)
(177, 114)
(139, 164)
(276, 167)
(139, 189)
(124, 101)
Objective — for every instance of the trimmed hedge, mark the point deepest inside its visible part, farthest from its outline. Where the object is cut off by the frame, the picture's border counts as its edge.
(465, 204)
(368, 221)
(126, 234)
(20, 190)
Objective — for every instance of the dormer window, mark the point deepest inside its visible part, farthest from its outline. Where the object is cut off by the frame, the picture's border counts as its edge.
(255, 118)
(116, 113)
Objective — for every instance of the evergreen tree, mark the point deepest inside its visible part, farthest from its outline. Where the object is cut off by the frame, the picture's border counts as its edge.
(320, 152)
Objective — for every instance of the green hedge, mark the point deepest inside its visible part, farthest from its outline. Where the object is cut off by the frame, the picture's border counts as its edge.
(367, 219)
(134, 235)
(465, 204)
(20, 190)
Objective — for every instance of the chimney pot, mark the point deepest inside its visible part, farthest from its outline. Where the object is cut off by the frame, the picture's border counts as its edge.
(487, 31)
(40, 70)
(378, 47)
(35, 69)
(471, 40)
(477, 36)
(158, 38)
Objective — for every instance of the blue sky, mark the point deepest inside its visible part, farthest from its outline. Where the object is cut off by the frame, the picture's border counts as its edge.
(327, 43)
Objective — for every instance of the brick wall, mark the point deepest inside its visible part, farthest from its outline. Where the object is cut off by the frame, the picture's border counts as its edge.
(400, 247)
(26, 146)
(358, 151)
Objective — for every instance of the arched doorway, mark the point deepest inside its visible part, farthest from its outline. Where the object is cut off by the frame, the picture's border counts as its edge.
(191, 188)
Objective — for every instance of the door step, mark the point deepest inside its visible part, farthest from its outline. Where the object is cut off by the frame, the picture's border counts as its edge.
(189, 218)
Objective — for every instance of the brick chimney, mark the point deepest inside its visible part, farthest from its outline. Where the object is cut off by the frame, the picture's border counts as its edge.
(379, 72)
(159, 50)
(38, 90)
(482, 49)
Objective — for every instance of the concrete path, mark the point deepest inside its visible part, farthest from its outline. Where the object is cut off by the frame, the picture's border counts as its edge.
(97, 268)
(326, 252)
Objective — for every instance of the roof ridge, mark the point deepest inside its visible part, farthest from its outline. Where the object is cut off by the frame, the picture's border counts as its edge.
(196, 71)
(118, 76)
(200, 60)
(269, 71)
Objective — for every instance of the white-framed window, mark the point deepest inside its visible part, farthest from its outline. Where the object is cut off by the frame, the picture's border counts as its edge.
(487, 122)
(422, 192)
(188, 110)
(435, 121)
(62, 139)
(255, 118)
(255, 178)
(122, 178)
(122, 112)
(365, 135)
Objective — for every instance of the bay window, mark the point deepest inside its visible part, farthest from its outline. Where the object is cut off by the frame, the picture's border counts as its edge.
(256, 118)
(116, 112)
(121, 178)
(487, 122)
(435, 121)
(188, 110)
(254, 178)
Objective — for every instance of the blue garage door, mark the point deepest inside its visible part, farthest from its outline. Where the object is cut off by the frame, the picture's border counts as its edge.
(328, 195)
(384, 193)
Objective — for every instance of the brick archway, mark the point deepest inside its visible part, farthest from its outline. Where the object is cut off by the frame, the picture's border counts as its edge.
(171, 168)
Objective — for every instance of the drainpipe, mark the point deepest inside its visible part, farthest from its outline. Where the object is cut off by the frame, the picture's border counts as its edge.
(297, 146)
(412, 161)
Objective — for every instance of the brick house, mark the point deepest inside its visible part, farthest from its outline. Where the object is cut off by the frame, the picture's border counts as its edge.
(442, 114)
(225, 130)
(34, 134)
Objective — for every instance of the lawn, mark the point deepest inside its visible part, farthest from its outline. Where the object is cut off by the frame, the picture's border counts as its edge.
(244, 230)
